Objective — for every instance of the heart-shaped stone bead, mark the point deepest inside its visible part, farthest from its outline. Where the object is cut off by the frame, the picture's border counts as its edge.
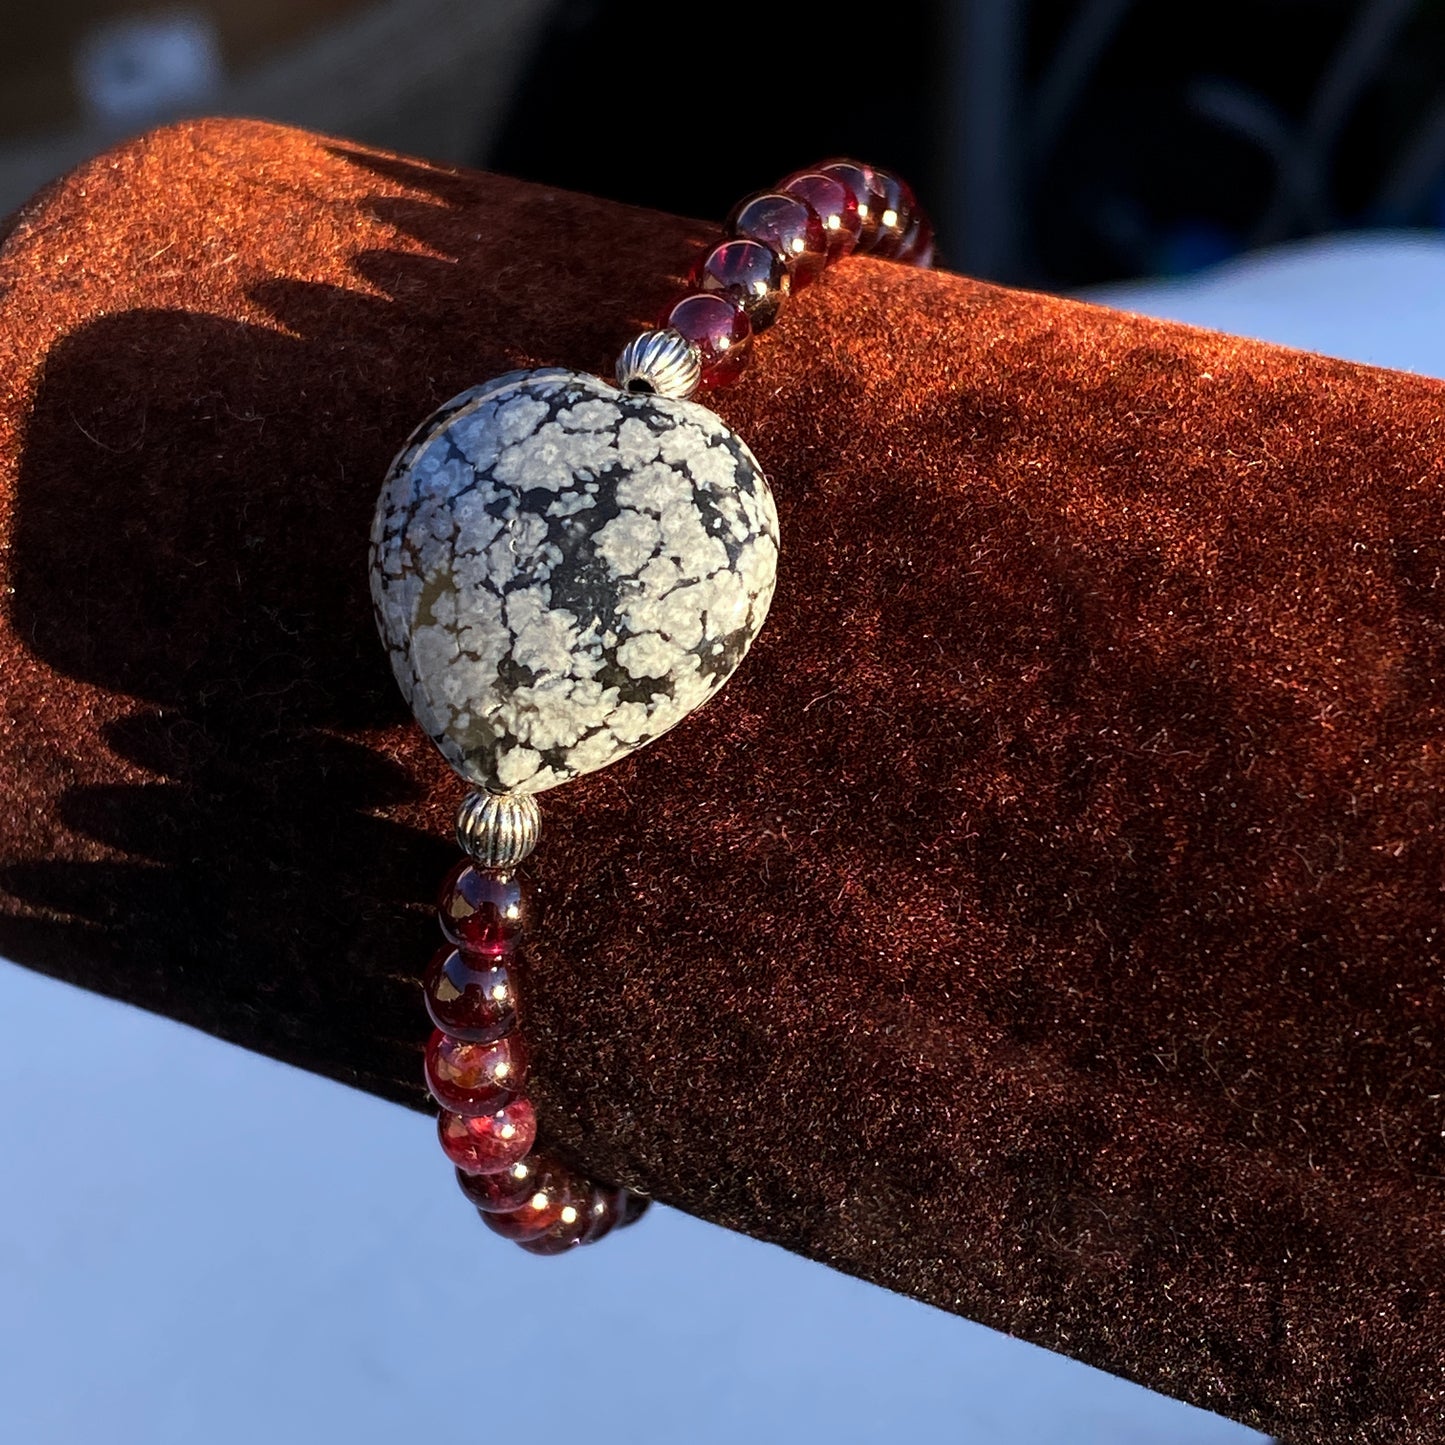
(562, 571)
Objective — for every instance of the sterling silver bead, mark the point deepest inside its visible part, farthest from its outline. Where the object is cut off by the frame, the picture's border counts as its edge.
(498, 830)
(663, 362)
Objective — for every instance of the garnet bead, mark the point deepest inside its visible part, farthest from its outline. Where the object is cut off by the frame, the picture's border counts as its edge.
(489, 1144)
(835, 205)
(750, 274)
(916, 247)
(484, 910)
(472, 997)
(631, 1208)
(506, 1189)
(475, 1079)
(559, 1197)
(790, 228)
(604, 1208)
(719, 329)
(858, 180)
(561, 1238)
(896, 213)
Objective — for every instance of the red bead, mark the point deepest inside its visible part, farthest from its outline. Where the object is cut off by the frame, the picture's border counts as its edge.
(721, 332)
(858, 179)
(836, 207)
(750, 275)
(916, 247)
(471, 996)
(604, 1209)
(898, 207)
(489, 1144)
(631, 1208)
(484, 910)
(560, 1239)
(505, 1190)
(559, 1198)
(790, 228)
(475, 1079)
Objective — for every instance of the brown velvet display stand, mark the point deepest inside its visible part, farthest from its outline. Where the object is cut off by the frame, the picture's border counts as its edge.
(1046, 922)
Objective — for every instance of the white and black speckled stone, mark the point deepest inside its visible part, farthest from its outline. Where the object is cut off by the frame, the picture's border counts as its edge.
(562, 571)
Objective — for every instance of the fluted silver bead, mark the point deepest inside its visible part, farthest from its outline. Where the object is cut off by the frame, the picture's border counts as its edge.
(498, 830)
(663, 363)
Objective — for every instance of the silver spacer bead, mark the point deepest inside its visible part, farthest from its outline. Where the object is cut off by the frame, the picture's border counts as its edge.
(659, 363)
(498, 830)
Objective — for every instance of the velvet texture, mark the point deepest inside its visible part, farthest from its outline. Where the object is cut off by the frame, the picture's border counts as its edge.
(1045, 922)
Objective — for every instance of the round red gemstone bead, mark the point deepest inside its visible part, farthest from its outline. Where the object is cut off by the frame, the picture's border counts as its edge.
(897, 208)
(472, 996)
(475, 1079)
(858, 179)
(719, 329)
(916, 247)
(790, 228)
(750, 274)
(835, 205)
(506, 1189)
(488, 1145)
(484, 910)
(559, 1197)
(604, 1208)
(631, 1207)
(561, 1238)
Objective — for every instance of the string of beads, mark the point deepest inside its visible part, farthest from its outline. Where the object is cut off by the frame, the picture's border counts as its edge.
(777, 242)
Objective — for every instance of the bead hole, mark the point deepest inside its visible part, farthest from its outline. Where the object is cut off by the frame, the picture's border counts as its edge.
(640, 386)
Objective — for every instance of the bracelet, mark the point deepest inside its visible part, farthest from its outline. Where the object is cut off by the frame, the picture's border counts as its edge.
(562, 570)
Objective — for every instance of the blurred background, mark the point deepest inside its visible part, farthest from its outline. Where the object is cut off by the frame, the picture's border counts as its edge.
(208, 1263)
(1059, 143)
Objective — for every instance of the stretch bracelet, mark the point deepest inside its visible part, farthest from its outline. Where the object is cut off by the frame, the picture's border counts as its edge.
(563, 569)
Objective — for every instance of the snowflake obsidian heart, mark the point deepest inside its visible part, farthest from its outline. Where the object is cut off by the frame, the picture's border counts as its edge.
(563, 571)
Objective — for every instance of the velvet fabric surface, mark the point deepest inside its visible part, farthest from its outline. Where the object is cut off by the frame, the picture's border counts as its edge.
(1045, 922)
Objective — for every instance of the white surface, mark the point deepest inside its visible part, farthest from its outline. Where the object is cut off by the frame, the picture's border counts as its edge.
(200, 1245)
(1372, 296)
